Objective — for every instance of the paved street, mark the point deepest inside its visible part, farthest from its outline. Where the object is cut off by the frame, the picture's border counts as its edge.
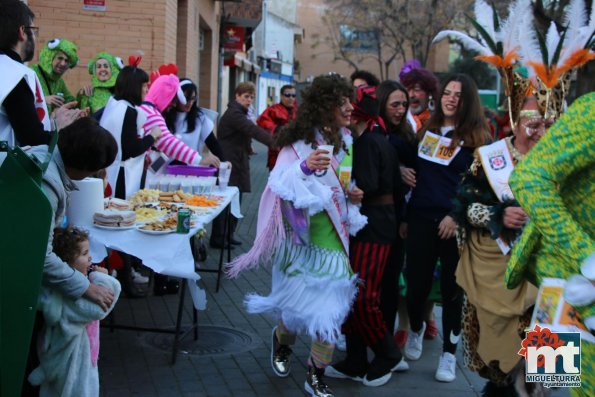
(138, 363)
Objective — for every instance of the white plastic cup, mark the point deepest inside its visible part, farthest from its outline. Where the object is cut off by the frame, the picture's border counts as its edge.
(329, 149)
(224, 174)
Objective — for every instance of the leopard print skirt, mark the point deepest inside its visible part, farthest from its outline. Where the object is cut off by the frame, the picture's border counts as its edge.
(473, 361)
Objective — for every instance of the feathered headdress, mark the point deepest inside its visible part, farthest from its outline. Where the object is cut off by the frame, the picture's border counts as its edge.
(516, 42)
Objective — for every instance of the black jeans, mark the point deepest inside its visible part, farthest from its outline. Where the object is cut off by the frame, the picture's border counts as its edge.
(389, 294)
(424, 247)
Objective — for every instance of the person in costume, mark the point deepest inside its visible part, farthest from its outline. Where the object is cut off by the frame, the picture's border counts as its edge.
(24, 116)
(123, 119)
(163, 93)
(394, 107)
(276, 116)
(376, 170)
(422, 86)
(104, 69)
(69, 343)
(192, 124)
(445, 152)
(489, 191)
(55, 58)
(490, 220)
(304, 222)
(554, 185)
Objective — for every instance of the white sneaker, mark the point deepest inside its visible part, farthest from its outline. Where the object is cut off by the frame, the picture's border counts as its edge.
(447, 367)
(138, 278)
(414, 344)
(341, 343)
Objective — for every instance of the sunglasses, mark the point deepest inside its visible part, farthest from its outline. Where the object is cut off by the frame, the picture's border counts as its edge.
(289, 95)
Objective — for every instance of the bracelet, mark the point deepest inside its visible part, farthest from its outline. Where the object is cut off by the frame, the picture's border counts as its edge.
(305, 169)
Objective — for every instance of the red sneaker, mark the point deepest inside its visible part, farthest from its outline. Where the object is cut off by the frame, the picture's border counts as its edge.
(401, 338)
(431, 330)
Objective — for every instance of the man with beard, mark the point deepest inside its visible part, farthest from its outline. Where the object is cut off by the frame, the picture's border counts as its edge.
(24, 117)
(422, 87)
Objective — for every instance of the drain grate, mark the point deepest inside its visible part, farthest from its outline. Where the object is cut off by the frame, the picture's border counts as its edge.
(212, 340)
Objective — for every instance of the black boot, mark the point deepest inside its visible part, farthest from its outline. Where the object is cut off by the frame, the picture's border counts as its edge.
(387, 358)
(355, 365)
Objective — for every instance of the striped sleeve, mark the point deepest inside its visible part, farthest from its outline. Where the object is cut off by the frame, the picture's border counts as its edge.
(167, 142)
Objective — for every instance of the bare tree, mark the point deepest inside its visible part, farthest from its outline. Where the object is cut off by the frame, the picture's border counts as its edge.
(396, 29)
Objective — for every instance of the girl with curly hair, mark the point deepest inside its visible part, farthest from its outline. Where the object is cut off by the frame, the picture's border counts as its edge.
(306, 215)
(68, 343)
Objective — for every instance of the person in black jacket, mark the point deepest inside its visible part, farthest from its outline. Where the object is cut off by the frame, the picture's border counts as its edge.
(235, 135)
(445, 152)
(376, 172)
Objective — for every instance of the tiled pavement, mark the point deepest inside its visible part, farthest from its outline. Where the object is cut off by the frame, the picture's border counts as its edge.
(131, 365)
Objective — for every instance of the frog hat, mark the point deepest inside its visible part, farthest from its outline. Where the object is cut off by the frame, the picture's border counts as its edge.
(51, 49)
(115, 63)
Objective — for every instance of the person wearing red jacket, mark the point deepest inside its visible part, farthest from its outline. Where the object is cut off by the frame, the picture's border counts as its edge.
(276, 116)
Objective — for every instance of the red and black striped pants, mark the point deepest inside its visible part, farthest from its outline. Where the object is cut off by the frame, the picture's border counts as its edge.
(365, 319)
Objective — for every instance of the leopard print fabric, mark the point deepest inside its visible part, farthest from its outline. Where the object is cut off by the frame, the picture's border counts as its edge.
(478, 215)
(470, 340)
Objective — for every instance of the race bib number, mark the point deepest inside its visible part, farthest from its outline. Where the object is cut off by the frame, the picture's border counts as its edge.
(436, 148)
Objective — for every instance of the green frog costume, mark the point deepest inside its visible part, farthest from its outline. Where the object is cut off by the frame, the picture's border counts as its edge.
(102, 90)
(52, 83)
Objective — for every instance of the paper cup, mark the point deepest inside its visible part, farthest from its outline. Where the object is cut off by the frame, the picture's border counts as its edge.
(328, 148)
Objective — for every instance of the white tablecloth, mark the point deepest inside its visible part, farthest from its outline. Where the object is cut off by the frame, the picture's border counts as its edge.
(167, 254)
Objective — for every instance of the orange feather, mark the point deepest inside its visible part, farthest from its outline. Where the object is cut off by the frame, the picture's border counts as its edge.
(549, 77)
(577, 59)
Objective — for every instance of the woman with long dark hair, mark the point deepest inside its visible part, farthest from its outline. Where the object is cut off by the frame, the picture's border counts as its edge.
(305, 218)
(445, 152)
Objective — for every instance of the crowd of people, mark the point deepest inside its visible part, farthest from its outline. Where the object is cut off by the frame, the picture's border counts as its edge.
(383, 198)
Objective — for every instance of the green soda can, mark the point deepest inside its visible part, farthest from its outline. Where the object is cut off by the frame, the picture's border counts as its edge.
(183, 221)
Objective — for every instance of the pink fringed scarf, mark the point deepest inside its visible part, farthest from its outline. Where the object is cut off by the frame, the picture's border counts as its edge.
(270, 231)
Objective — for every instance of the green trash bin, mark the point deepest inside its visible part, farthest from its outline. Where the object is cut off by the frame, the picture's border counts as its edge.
(26, 220)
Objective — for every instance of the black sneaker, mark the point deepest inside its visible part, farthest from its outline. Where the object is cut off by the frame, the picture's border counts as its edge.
(381, 370)
(344, 370)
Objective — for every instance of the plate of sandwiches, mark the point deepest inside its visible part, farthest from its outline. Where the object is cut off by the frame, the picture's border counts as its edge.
(114, 220)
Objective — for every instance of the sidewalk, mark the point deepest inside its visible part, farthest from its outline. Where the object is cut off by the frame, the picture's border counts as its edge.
(232, 355)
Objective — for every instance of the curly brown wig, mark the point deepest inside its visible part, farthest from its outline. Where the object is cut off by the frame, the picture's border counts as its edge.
(317, 111)
(66, 242)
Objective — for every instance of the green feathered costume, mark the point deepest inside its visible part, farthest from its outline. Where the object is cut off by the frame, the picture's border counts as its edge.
(555, 184)
(51, 83)
(102, 90)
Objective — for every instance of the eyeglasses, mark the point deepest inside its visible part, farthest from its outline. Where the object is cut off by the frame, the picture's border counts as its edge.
(191, 98)
(396, 104)
(289, 95)
(33, 29)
